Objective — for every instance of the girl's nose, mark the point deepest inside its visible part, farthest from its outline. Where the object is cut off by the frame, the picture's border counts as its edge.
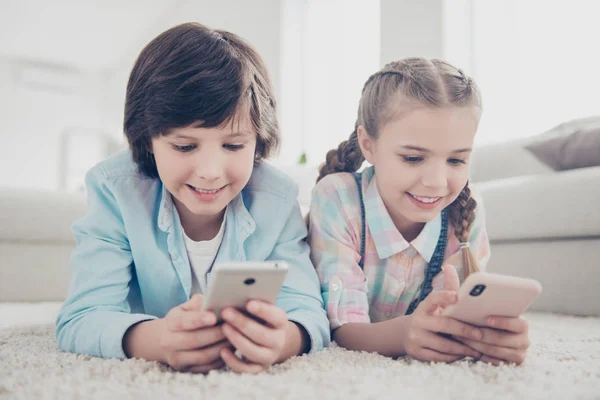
(435, 177)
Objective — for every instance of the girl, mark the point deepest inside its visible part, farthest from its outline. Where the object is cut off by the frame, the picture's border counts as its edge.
(379, 238)
(193, 190)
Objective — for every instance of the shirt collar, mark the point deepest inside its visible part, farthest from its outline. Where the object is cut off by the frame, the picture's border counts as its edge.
(388, 240)
(427, 240)
(243, 219)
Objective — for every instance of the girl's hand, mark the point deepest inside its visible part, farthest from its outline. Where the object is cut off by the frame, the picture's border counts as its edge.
(508, 341)
(190, 341)
(426, 336)
(261, 344)
(426, 333)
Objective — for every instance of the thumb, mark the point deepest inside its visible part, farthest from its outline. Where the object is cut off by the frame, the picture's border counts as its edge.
(451, 280)
(195, 303)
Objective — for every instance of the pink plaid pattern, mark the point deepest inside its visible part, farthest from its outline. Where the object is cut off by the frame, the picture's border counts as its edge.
(394, 269)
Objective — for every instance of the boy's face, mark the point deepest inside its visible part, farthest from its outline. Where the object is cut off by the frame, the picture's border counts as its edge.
(204, 168)
(421, 162)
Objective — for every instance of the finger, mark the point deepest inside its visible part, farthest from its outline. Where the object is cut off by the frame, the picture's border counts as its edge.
(490, 360)
(425, 354)
(451, 280)
(181, 360)
(442, 345)
(195, 340)
(181, 320)
(240, 366)
(436, 299)
(252, 351)
(440, 324)
(252, 329)
(269, 313)
(505, 339)
(195, 303)
(510, 324)
(203, 369)
(502, 353)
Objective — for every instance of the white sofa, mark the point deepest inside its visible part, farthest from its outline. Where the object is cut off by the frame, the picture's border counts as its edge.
(542, 224)
(35, 243)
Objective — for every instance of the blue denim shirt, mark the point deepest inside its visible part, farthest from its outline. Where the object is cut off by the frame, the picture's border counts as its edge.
(130, 263)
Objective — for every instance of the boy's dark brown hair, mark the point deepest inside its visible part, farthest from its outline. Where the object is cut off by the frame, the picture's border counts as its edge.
(190, 74)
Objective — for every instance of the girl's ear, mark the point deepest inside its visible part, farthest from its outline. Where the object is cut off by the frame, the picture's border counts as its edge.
(366, 143)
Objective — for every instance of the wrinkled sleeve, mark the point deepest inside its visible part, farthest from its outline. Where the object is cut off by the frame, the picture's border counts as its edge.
(299, 296)
(478, 238)
(335, 252)
(96, 313)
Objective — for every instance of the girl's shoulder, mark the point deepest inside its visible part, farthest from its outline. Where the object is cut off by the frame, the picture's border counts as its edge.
(340, 186)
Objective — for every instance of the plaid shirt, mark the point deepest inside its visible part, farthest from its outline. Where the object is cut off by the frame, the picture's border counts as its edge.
(394, 269)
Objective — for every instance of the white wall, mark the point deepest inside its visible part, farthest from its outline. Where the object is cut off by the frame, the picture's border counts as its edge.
(411, 28)
(33, 119)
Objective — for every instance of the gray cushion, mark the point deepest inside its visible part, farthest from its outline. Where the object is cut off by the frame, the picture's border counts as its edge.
(575, 144)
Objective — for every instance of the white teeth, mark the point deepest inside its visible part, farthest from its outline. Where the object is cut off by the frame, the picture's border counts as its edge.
(426, 199)
(206, 191)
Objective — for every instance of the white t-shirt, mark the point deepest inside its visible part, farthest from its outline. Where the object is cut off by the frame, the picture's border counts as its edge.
(202, 255)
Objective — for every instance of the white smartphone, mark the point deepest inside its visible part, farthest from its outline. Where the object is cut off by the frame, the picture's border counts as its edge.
(485, 294)
(233, 284)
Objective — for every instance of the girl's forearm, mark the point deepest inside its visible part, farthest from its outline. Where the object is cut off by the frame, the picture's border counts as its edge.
(386, 338)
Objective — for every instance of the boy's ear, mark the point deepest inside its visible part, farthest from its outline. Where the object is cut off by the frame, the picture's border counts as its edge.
(366, 144)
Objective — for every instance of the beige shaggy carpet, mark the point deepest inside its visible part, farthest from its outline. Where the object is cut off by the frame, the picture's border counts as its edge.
(563, 363)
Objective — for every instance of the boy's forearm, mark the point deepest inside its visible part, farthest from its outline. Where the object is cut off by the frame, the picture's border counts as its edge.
(386, 338)
(141, 341)
(297, 341)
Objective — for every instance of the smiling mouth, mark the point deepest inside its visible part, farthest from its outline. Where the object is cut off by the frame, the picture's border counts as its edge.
(206, 191)
(425, 199)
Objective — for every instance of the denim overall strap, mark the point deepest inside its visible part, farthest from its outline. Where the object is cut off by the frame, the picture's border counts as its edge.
(435, 265)
(357, 178)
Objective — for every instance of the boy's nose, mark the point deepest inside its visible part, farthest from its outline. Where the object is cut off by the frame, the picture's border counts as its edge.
(208, 167)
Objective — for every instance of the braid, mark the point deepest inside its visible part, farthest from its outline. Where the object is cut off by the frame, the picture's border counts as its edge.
(346, 158)
(461, 214)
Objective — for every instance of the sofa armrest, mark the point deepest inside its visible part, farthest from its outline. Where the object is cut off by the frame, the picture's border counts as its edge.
(558, 205)
(505, 160)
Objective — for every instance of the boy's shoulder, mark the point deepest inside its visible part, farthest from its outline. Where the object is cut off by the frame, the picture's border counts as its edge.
(267, 178)
(118, 165)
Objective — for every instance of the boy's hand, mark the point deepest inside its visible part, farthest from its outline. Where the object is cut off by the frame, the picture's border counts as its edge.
(190, 341)
(261, 344)
(508, 341)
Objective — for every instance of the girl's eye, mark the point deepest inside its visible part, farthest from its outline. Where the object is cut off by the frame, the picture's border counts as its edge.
(233, 147)
(412, 159)
(184, 149)
(456, 161)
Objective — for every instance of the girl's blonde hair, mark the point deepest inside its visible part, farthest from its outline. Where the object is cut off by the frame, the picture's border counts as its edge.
(417, 82)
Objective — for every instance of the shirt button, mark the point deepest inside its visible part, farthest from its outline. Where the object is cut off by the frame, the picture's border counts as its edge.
(335, 287)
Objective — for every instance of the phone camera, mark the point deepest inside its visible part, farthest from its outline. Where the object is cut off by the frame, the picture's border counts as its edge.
(249, 281)
(477, 290)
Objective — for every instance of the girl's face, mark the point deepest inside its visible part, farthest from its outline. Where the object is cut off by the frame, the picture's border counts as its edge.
(204, 168)
(421, 162)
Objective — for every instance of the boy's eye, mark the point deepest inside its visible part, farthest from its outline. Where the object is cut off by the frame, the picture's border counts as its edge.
(184, 149)
(233, 147)
(412, 159)
(456, 161)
